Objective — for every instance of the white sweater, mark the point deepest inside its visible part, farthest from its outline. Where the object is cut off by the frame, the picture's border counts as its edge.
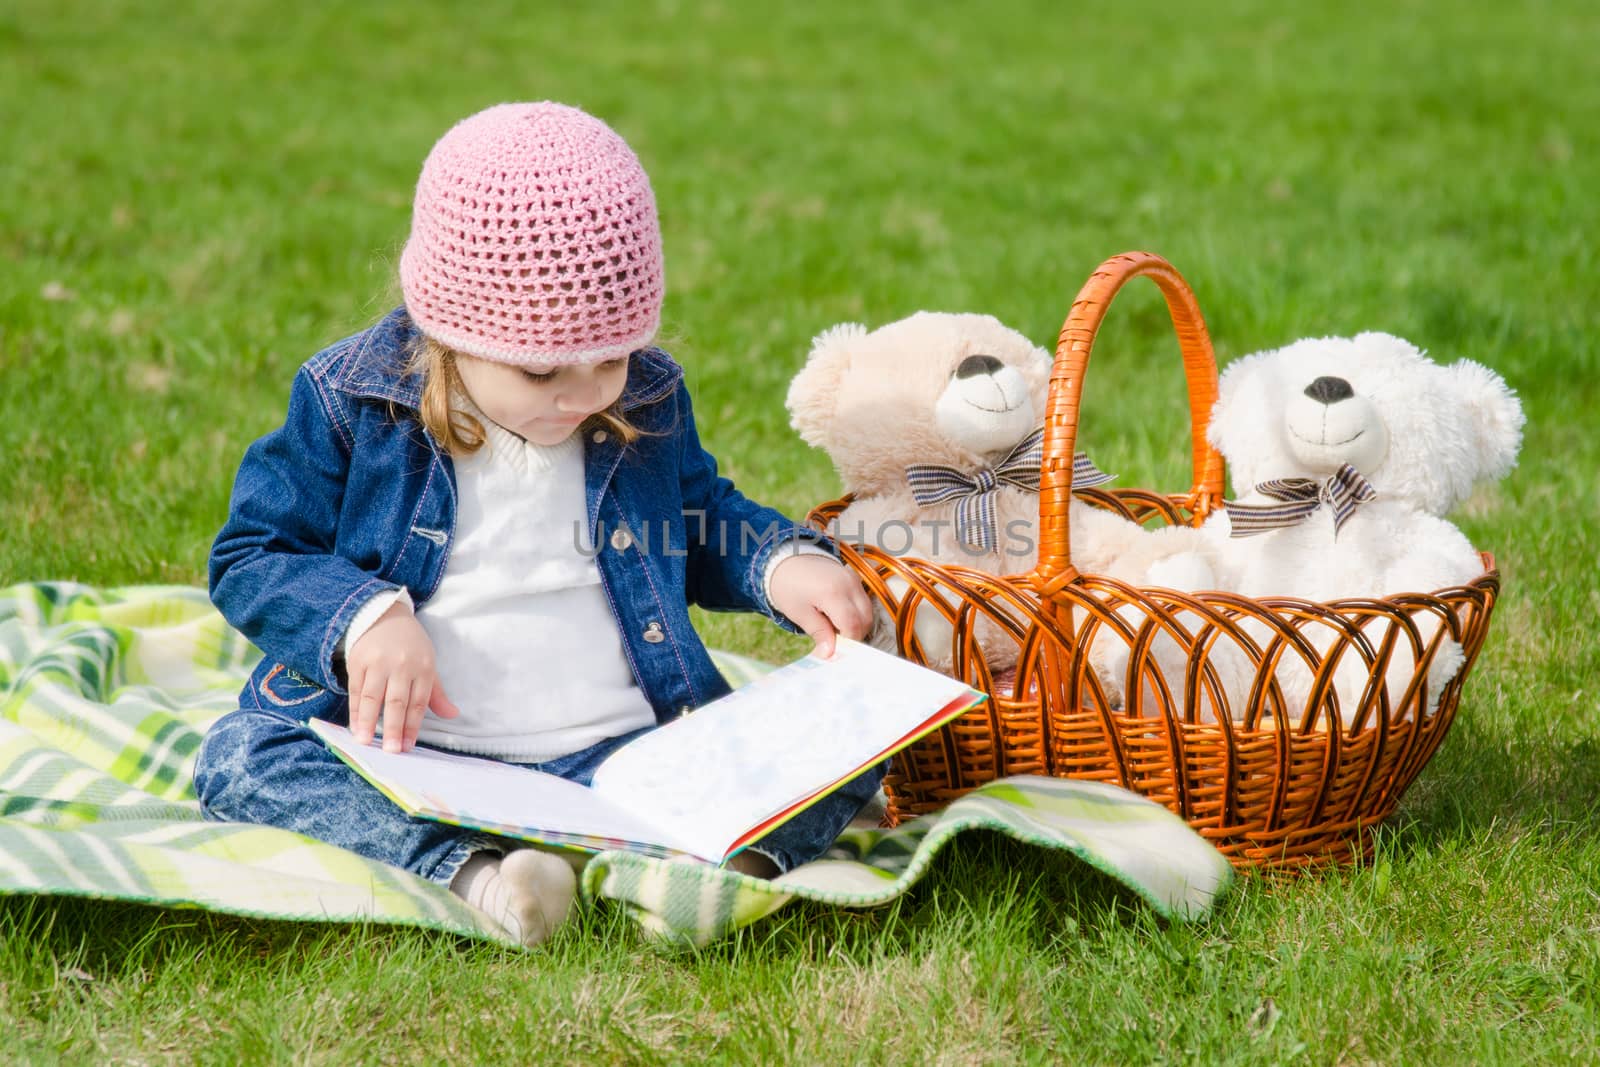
(524, 640)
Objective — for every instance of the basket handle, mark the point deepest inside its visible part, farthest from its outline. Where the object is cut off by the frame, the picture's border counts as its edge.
(1055, 568)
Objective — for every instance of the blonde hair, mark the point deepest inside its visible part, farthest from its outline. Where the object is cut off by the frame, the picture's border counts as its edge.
(459, 432)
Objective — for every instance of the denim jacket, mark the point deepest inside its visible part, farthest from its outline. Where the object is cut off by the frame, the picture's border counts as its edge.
(352, 496)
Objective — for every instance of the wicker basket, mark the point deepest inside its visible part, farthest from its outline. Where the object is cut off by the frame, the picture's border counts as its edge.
(1269, 779)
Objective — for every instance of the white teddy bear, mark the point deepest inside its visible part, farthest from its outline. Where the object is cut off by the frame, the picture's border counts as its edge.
(1345, 454)
(934, 425)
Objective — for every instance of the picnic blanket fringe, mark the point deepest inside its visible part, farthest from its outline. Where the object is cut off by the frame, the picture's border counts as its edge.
(105, 695)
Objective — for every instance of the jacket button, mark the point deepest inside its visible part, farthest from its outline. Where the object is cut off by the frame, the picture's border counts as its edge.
(621, 539)
(654, 634)
(684, 709)
(598, 437)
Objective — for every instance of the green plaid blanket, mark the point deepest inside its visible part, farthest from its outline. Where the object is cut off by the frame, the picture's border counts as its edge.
(104, 697)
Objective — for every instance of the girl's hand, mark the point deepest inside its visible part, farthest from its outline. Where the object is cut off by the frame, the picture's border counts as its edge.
(823, 597)
(391, 674)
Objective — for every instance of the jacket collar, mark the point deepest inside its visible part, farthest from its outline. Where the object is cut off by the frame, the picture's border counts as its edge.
(376, 367)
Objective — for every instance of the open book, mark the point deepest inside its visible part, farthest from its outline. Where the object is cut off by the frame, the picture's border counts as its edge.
(706, 784)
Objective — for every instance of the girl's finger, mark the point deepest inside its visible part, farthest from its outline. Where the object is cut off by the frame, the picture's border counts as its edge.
(818, 627)
(863, 603)
(843, 613)
(851, 612)
(369, 705)
(854, 618)
(417, 707)
(396, 699)
(440, 704)
(357, 676)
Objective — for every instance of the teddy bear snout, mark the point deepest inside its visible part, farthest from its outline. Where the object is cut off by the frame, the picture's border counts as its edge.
(973, 366)
(1327, 430)
(986, 408)
(1329, 390)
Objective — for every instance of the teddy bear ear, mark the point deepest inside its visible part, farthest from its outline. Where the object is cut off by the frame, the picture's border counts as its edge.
(1394, 353)
(814, 391)
(1495, 414)
(1386, 343)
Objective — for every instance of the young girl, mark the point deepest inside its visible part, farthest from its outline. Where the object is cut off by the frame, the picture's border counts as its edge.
(483, 520)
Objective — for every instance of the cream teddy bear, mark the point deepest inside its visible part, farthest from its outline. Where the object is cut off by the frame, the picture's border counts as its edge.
(934, 424)
(1345, 455)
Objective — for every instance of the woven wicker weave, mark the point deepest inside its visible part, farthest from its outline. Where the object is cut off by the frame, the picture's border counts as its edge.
(1270, 780)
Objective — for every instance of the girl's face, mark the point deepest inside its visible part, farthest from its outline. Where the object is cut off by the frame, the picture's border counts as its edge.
(542, 405)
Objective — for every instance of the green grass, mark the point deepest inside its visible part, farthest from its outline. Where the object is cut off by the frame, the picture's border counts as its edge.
(197, 197)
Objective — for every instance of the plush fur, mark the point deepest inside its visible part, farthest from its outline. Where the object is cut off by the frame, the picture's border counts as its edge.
(1423, 434)
(951, 389)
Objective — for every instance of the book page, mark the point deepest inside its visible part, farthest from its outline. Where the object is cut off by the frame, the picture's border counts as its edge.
(711, 775)
(498, 797)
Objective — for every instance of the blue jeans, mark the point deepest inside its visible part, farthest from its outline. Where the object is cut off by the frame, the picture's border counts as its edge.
(257, 766)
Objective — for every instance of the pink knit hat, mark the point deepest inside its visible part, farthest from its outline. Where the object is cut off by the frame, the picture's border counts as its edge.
(534, 240)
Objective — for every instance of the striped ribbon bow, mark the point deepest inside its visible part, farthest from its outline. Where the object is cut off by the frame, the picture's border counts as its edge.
(935, 483)
(1343, 492)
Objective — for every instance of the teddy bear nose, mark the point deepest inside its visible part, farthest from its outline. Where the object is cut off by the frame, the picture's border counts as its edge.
(973, 366)
(1329, 390)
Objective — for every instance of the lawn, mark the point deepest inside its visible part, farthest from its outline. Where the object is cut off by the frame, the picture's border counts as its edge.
(196, 197)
